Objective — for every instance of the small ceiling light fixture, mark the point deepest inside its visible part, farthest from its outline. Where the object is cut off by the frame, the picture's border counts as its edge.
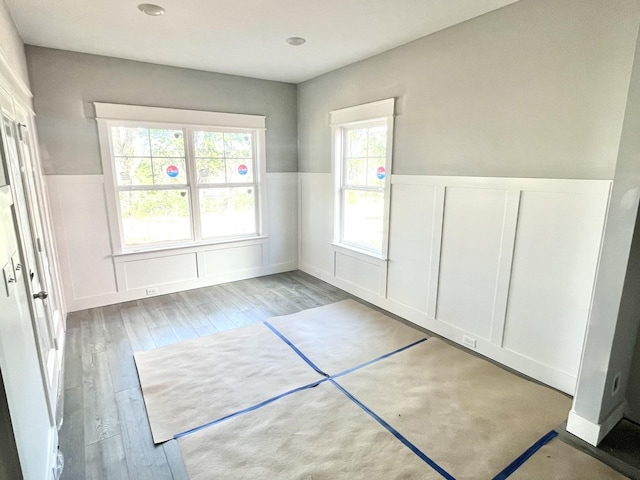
(295, 41)
(151, 9)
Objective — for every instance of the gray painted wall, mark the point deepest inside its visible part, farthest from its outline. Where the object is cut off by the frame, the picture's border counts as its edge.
(65, 84)
(11, 44)
(535, 89)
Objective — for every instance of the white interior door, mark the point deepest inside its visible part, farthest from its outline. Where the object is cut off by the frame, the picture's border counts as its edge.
(41, 227)
(34, 264)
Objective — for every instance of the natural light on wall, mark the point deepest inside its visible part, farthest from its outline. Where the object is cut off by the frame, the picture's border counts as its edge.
(362, 161)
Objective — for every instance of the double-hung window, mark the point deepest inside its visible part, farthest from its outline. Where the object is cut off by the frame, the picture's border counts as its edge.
(362, 161)
(180, 177)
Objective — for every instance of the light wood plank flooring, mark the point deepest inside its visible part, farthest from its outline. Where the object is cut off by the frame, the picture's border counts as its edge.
(105, 434)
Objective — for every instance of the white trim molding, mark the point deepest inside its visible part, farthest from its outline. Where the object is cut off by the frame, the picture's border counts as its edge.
(188, 121)
(362, 113)
(376, 114)
(590, 432)
(114, 111)
(13, 83)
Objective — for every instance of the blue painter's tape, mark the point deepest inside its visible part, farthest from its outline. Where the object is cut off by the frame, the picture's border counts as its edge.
(517, 463)
(248, 409)
(295, 349)
(394, 432)
(304, 387)
(377, 359)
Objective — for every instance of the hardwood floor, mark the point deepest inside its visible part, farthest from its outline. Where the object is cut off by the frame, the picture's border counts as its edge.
(105, 434)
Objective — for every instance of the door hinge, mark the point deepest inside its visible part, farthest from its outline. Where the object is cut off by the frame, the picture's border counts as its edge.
(20, 127)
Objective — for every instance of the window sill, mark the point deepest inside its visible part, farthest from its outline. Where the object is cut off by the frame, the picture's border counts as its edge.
(360, 252)
(168, 250)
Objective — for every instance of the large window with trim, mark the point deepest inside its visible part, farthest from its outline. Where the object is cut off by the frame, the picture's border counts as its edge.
(180, 183)
(362, 161)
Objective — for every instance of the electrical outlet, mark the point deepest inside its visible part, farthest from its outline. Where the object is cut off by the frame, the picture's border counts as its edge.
(468, 341)
(152, 291)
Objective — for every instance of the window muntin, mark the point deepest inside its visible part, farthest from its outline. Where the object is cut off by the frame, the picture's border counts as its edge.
(183, 185)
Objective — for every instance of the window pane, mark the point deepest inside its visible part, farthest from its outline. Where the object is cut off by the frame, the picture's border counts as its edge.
(169, 171)
(237, 145)
(377, 145)
(356, 142)
(227, 212)
(208, 144)
(130, 142)
(210, 170)
(154, 216)
(363, 214)
(239, 171)
(166, 143)
(356, 171)
(133, 171)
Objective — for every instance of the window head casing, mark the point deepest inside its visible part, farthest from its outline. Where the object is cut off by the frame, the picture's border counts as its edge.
(362, 157)
(180, 177)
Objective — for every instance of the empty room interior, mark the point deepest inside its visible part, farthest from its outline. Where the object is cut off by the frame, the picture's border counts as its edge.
(358, 239)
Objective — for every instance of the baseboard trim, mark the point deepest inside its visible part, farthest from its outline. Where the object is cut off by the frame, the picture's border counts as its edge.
(140, 293)
(590, 432)
(527, 366)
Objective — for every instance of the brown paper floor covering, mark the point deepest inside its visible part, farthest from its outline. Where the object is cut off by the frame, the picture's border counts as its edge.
(191, 383)
(315, 434)
(559, 461)
(467, 415)
(344, 334)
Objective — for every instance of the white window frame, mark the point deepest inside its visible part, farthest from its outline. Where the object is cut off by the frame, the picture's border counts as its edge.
(361, 116)
(113, 115)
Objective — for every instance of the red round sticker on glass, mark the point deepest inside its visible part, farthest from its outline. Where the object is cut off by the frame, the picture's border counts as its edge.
(380, 173)
(172, 171)
(242, 169)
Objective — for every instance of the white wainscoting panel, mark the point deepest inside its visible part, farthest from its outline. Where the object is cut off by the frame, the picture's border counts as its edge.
(316, 223)
(81, 227)
(554, 265)
(360, 272)
(282, 219)
(411, 261)
(152, 272)
(474, 220)
(230, 260)
(94, 276)
(507, 262)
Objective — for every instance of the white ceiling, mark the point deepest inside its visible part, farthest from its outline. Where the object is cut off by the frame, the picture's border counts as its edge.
(242, 37)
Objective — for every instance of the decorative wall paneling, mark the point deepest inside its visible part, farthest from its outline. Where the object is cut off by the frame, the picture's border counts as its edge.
(93, 276)
(504, 266)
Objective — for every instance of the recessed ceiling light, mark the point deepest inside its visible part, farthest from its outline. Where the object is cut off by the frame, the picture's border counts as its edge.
(151, 9)
(295, 41)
